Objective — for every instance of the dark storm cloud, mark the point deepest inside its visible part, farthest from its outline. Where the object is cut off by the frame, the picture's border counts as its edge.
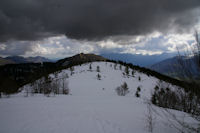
(93, 19)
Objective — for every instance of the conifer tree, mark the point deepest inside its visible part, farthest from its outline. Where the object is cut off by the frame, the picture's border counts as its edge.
(120, 67)
(133, 73)
(98, 69)
(90, 67)
(127, 70)
(115, 66)
(139, 78)
(47, 85)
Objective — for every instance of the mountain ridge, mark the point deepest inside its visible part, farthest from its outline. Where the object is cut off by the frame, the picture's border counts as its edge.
(4, 61)
(21, 59)
(177, 67)
(21, 74)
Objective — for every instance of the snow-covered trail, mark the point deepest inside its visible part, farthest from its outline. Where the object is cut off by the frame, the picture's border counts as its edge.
(90, 108)
(74, 114)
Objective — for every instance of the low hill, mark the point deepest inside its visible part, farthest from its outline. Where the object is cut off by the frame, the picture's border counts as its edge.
(5, 61)
(17, 59)
(38, 59)
(79, 59)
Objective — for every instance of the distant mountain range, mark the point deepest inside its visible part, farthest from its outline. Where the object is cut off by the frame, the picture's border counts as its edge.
(5, 61)
(178, 67)
(166, 63)
(138, 59)
(20, 59)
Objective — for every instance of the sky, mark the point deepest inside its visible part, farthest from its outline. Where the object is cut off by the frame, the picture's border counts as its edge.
(62, 28)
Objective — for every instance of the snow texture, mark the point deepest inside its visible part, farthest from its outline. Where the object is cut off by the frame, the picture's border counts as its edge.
(92, 107)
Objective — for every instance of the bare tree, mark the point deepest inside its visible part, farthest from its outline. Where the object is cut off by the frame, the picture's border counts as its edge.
(193, 55)
(47, 85)
(65, 84)
(197, 51)
(72, 70)
(177, 98)
(40, 83)
(65, 87)
(26, 91)
(185, 66)
(55, 86)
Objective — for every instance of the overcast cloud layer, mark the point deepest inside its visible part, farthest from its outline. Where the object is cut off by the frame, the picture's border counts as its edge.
(94, 19)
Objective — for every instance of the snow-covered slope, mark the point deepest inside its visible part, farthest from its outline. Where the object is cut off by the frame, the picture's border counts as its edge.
(85, 83)
(93, 105)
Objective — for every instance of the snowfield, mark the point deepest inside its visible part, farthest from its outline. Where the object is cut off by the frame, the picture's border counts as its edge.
(93, 106)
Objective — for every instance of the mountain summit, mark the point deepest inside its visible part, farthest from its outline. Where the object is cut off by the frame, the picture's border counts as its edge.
(80, 58)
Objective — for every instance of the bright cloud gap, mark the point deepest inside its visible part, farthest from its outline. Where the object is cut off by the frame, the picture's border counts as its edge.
(62, 46)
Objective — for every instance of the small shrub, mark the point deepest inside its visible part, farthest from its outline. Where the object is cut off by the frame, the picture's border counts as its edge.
(139, 78)
(122, 90)
(156, 88)
(137, 94)
(98, 69)
(167, 89)
(123, 73)
(66, 91)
